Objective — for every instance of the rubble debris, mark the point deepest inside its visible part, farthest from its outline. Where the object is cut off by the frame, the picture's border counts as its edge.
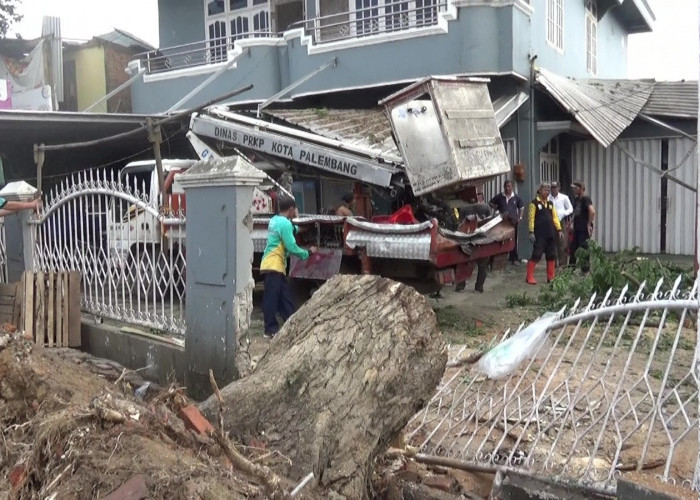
(69, 433)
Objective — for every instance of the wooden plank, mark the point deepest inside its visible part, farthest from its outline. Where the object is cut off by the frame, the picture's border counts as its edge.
(66, 308)
(7, 300)
(74, 308)
(61, 307)
(29, 327)
(40, 311)
(17, 313)
(6, 313)
(7, 289)
(65, 325)
(51, 309)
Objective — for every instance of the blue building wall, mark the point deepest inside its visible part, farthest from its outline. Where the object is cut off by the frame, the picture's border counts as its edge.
(180, 22)
(612, 42)
(480, 41)
(260, 68)
(468, 47)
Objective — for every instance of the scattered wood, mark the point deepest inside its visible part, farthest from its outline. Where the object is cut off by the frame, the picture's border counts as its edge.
(272, 482)
(51, 308)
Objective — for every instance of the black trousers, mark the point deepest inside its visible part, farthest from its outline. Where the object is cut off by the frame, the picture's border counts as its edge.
(546, 246)
(277, 299)
(513, 255)
(580, 240)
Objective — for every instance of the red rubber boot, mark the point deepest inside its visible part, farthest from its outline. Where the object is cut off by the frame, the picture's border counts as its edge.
(530, 279)
(551, 265)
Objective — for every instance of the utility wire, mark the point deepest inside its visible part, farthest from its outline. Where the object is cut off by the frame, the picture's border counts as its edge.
(172, 118)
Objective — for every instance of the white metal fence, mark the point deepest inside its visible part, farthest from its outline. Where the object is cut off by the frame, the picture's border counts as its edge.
(130, 254)
(615, 389)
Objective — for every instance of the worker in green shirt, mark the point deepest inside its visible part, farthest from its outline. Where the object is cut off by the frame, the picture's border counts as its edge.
(277, 297)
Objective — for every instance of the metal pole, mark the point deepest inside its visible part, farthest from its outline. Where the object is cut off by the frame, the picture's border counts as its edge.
(206, 82)
(333, 62)
(156, 137)
(116, 91)
(696, 368)
(39, 157)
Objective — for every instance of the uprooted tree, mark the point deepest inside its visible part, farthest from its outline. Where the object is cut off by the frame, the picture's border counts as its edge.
(340, 381)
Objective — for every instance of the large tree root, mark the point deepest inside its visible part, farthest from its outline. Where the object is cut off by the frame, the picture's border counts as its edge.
(340, 381)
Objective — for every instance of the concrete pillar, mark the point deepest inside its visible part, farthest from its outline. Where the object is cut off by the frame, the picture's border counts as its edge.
(19, 234)
(219, 253)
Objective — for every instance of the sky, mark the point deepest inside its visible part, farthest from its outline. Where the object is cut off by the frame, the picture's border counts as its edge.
(669, 53)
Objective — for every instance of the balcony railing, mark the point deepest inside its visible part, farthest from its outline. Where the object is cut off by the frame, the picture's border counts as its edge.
(389, 17)
(215, 50)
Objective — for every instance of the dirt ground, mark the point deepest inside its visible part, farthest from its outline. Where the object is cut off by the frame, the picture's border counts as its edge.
(464, 317)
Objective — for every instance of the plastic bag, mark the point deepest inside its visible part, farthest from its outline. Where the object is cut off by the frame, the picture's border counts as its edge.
(505, 358)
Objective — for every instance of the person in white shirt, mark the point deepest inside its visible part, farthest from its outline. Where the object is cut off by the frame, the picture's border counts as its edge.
(564, 208)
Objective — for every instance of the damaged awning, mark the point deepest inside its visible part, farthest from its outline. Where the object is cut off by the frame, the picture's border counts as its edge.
(370, 128)
(505, 106)
(313, 150)
(605, 108)
(366, 128)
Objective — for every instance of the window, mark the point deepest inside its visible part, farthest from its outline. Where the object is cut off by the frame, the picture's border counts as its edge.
(555, 23)
(592, 36)
(549, 161)
(381, 16)
(231, 20)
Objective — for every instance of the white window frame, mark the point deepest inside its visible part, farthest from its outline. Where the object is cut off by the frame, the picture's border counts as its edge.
(555, 24)
(382, 16)
(229, 16)
(592, 36)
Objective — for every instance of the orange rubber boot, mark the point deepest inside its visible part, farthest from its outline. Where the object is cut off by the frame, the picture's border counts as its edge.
(530, 279)
(551, 265)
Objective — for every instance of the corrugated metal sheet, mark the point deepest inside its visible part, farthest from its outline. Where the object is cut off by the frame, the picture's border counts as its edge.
(51, 29)
(674, 99)
(367, 128)
(505, 106)
(626, 196)
(370, 128)
(125, 39)
(604, 107)
(680, 233)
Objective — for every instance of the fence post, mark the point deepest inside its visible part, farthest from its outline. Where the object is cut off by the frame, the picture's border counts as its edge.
(19, 233)
(219, 254)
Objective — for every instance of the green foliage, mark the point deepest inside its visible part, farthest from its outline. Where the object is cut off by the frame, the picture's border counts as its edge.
(519, 300)
(9, 14)
(454, 326)
(610, 272)
(321, 112)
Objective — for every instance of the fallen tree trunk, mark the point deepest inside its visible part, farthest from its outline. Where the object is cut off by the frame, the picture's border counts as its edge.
(340, 381)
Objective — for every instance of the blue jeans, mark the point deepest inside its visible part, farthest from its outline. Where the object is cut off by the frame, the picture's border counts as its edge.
(277, 298)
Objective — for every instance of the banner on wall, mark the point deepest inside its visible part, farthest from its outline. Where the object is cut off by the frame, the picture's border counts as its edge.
(38, 99)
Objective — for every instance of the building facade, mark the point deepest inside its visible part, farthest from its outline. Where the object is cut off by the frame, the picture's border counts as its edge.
(317, 54)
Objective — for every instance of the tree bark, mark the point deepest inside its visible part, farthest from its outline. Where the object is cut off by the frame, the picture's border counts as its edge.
(340, 381)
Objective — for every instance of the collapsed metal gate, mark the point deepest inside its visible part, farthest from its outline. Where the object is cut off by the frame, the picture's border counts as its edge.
(614, 390)
(130, 254)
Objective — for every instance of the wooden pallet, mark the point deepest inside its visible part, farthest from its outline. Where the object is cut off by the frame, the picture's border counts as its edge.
(11, 304)
(51, 308)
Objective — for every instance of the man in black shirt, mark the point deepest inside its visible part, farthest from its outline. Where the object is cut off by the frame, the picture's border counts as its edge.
(511, 208)
(545, 231)
(584, 215)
